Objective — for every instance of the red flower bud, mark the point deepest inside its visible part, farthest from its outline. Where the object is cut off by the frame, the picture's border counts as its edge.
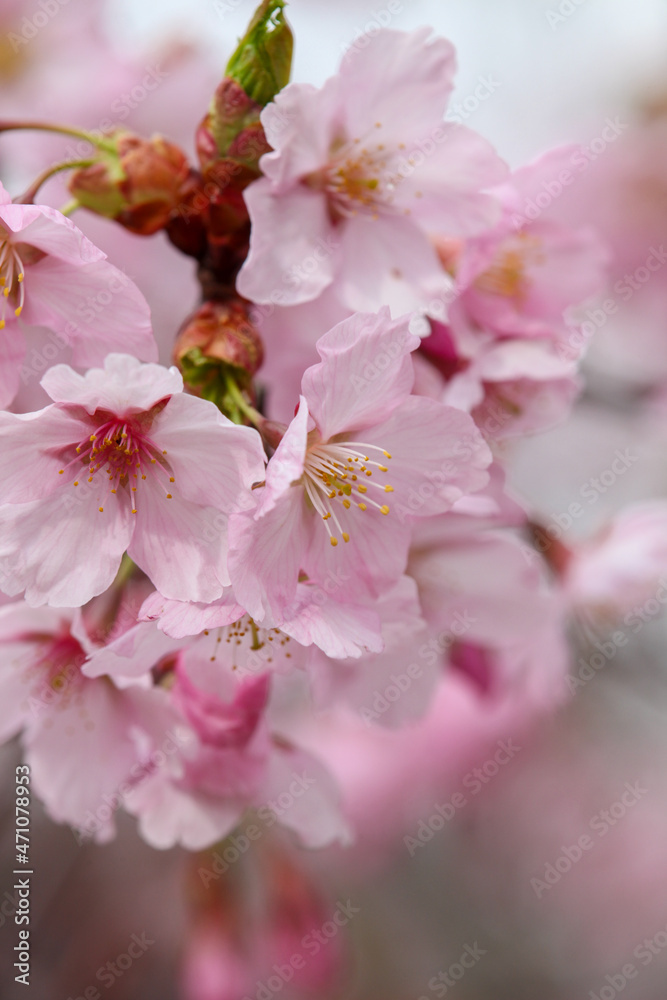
(138, 182)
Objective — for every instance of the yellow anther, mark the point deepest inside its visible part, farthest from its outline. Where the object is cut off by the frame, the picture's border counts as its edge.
(61, 472)
(362, 488)
(169, 496)
(134, 511)
(76, 482)
(101, 510)
(384, 509)
(388, 488)
(346, 504)
(18, 310)
(361, 506)
(334, 541)
(346, 537)
(21, 276)
(171, 479)
(383, 468)
(386, 454)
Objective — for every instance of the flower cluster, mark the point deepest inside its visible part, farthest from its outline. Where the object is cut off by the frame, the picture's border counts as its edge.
(204, 563)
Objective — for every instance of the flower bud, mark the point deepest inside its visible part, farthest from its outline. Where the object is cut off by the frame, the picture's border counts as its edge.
(137, 182)
(262, 61)
(231, 129)
(257, 70)
(220, 336)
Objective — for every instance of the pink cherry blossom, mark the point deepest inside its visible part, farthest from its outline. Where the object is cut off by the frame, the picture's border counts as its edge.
(362, 170)
(622, 568)
(80, 735)
(491, 612)
(510, 386)
(223, 633)
(385, 687)
(52, 276)
(361, 458)
(520, 277)
(238, 764)
(122, 460)
(338, 627)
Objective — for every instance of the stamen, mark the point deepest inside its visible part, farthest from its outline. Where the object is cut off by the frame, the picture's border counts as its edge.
(331, 474)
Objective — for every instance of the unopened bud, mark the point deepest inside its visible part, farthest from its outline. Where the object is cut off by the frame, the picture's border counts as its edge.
(231, 129)
(257, 70)
(137, 182)
(262, 61)
(219, 339)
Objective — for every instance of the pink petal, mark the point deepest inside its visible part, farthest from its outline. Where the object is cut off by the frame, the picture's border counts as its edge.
(96, 306)
(31, 447)
(286, 465)
(365, 372)
(301, 125)
(371, 562)
(214, 461)
(438, 456)
(173, 544)
(315, 813)
(443, 187)
(265, 556)
(12, 353)
(48, 230)
(170, 815)
(401, 80)
(134, 654)
(124, 386)
(339, 628)
(181, 618)
(293, 246)
(62, 549)
(380, 256)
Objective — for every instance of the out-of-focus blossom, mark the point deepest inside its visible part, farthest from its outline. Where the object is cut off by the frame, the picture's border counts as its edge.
(622, 567)
(82, 737)
(237, 764)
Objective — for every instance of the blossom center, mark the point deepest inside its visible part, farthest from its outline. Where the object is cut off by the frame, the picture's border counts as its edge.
(12, 273)
(120, 449)
(340, 475)
(507, 275)
(249, 648)
(360, 179)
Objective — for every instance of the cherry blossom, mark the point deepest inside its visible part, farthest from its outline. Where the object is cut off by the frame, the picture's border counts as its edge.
(362, 170)
(361, 458)
(121, 461)
(52, 276)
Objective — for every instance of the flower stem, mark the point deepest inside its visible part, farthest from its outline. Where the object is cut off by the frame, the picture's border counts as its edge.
(242, 404)
(28, 197)
(77, 133)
